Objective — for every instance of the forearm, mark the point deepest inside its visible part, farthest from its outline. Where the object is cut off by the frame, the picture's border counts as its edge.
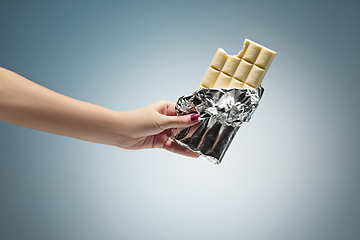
(30, 105)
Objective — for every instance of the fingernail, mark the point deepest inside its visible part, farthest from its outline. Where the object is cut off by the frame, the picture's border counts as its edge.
(195, 117)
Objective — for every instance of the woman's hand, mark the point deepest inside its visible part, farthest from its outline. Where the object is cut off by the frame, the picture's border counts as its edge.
(27, 104)
(150, 127)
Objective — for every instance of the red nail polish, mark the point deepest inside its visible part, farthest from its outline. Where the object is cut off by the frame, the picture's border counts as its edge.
(195, 117)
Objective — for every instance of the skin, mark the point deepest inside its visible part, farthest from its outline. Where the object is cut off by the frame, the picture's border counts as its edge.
(27, 104)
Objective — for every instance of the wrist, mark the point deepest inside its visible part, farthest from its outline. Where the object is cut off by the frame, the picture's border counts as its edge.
(113, 128)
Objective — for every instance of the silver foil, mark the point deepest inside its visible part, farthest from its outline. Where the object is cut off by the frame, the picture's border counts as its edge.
(222, 112)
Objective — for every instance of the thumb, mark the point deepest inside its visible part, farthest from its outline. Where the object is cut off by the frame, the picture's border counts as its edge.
(180, 121)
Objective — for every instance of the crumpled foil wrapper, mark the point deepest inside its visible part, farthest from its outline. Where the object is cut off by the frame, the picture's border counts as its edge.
(222, 112)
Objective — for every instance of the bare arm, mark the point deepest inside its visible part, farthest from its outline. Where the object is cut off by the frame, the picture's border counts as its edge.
(27, 104)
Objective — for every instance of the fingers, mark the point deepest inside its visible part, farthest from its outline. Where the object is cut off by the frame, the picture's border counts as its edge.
(180, 121)
(167, 117)
(176, 148)
(170, 111)
(165, 107)
(168, 120)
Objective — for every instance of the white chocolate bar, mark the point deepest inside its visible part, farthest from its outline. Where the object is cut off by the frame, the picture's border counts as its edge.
(255, 76)
(252, 52)
(246, 70)
(246, 86)
(243, 70)
(223, 81)
(230, 65)
(265, 58)
(234, 83)
(219, 59)
(210, 77)
(242, 52)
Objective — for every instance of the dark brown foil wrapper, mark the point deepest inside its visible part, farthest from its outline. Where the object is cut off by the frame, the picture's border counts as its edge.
(222, 112)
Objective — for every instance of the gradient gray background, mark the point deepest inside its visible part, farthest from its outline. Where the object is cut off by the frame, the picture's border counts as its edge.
(291, 173)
